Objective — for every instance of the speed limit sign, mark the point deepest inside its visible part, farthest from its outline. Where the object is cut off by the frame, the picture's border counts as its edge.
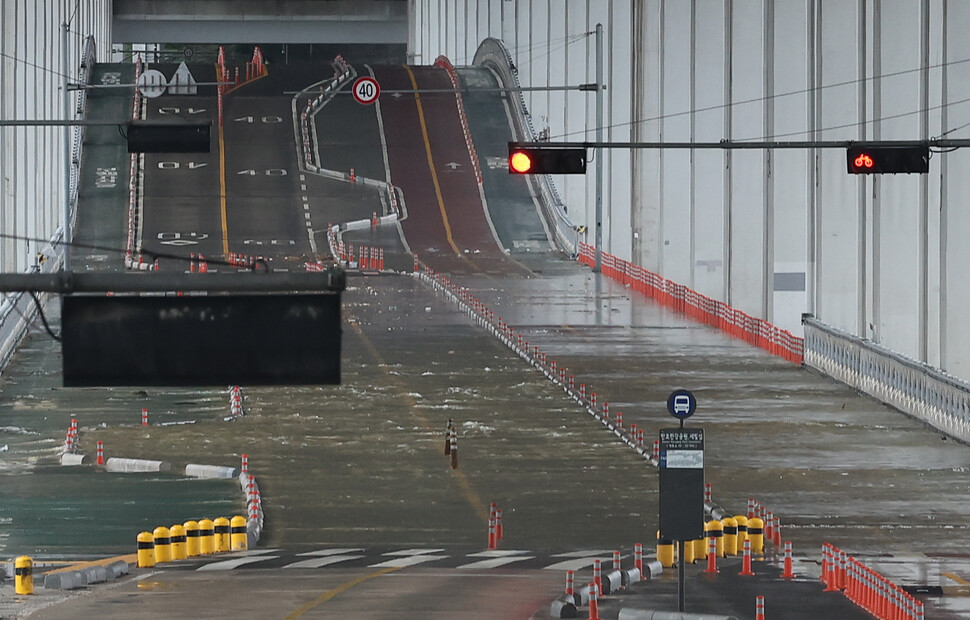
(366, 90)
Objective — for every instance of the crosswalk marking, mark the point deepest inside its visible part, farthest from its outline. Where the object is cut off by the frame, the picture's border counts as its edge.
(495, 562)
(231, 564)
(410, 560)
(326, 560)
(405, 552)
(574, 564)
(331, 551)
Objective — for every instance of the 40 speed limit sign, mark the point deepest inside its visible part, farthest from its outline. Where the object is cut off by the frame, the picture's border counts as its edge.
(366, 90)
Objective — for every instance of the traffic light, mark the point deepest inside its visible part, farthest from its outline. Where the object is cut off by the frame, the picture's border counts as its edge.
(546, 160)
(876, 159)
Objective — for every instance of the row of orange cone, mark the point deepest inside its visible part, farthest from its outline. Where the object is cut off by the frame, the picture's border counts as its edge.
(866, 587)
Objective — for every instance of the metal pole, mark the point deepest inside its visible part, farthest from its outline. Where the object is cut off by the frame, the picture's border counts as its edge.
(597, 267)
(681, 590)
(67, 152)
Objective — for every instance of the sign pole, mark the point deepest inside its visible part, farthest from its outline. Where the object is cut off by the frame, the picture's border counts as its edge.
(681, 590)
(681, 469)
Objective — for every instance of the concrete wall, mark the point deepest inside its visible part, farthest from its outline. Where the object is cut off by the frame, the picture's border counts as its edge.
(32, 161)
(774, 233)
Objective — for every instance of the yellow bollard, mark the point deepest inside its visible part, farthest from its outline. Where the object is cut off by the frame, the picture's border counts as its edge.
(742, 522)
(730, 536)
(665, 551)
(238, 536)
(146, 550)
(191, 538)
(207, 541)
(23, 579)
(221, 527)
(716, 529)
(700, 546)
(178, 542)
(163, 544)
(756, 534)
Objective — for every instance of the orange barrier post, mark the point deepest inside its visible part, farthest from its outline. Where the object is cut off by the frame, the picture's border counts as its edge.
(711, 556)
(244, 468)
(746, 562)
(594, 602)
(597, 577)
(788, 574)
(619, 419)
(570, 579)
(100, 452)
(491, 530)
(144, 417)
(499, 530)
(759, 608)
(638, 558)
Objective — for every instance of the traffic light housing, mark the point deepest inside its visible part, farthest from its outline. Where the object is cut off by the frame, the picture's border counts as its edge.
(876, 159)
(546, 160)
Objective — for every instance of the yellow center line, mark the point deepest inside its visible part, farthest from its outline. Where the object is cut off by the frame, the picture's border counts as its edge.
(326, 596)
(434, 174)
(471, 496)
(222, 193)
(956, 578)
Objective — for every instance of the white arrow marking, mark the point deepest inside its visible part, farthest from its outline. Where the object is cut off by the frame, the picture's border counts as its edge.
(453, 165)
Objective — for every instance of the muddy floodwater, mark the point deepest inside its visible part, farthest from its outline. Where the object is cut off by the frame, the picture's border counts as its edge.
(362, 463)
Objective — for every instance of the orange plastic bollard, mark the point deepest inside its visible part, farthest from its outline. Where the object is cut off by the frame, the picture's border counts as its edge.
(711, 556)
(788, 574)
(746, 562)
(759, 608)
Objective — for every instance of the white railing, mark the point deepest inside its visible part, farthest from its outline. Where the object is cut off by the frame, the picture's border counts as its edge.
(915, 388)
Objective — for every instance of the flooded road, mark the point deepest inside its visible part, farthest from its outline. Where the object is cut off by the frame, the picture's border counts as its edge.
(362, 463)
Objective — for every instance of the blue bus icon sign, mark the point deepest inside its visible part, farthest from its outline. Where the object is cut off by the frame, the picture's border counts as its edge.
(681, 404)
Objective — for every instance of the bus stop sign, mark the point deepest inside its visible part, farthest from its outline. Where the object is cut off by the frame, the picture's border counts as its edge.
(681, 483)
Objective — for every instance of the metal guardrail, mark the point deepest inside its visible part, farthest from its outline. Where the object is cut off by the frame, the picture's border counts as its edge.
(493, 54)
(915, 388)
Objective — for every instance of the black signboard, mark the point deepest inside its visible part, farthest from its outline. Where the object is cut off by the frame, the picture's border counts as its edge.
(681, 483)
(204, 340)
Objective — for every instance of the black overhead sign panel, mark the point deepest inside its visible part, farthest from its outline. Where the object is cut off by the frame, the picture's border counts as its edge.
(204, 340)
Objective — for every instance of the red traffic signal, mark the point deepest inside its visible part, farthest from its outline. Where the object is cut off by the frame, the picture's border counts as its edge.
(546, 160)
(876, 159)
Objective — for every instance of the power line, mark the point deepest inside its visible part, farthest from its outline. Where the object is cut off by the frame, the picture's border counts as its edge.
(35, 66)
(802, 91)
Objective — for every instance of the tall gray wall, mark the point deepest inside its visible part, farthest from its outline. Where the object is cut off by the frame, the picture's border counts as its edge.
(32, 161)
(773, 233)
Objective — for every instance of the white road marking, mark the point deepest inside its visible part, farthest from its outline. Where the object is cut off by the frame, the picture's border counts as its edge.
(574, 564)
(495, 562)
(408, 561)
(324, 561)
(331, 551)
(231, 564)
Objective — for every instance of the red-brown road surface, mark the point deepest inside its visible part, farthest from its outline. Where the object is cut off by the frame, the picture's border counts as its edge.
(447, 226)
